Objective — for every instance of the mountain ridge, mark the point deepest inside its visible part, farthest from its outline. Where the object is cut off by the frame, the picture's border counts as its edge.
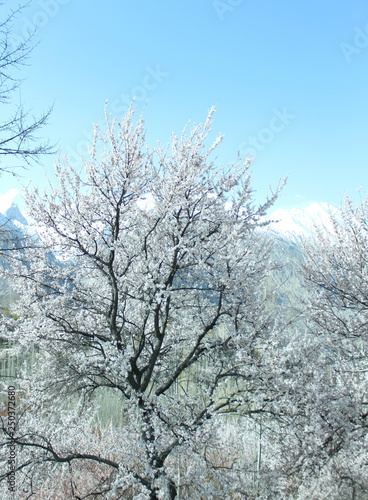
(301, 221)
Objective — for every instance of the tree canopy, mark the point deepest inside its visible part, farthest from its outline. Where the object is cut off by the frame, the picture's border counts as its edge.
(161, 352)
(148, 283)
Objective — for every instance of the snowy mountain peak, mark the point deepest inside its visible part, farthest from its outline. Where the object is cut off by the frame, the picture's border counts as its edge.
(14, 214)
(301, 221)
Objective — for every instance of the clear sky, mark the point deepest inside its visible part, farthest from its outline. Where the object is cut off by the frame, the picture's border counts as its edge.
(289, 81)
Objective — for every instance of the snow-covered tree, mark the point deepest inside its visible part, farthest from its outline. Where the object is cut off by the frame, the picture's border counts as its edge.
(335, 272)
(146, 289)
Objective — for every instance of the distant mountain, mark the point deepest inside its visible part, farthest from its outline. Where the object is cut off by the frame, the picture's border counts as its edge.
(12, 233)
(301, 221)
(14, 214)
(286, 226)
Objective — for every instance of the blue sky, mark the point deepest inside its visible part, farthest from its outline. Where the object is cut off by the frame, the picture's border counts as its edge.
(289, 81)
